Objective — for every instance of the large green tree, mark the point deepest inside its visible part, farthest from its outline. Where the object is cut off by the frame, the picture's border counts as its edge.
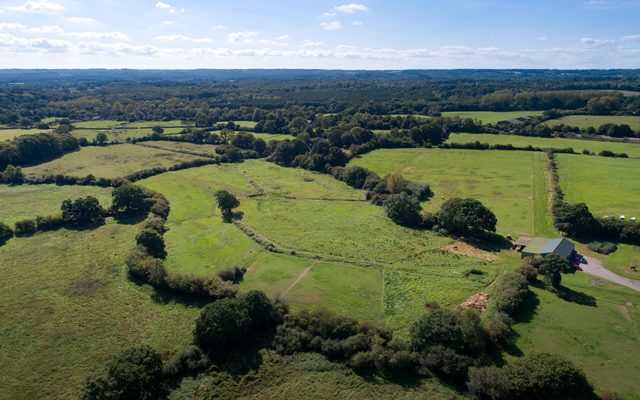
(466, 216)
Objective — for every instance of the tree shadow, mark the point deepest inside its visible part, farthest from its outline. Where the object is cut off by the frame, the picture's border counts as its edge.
(165, 297)
(129, 219)
(527, 310)
(574, 296)
(488, 241)
(85, 226)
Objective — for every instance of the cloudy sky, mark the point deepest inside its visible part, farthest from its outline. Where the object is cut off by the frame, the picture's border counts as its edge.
(367, 34)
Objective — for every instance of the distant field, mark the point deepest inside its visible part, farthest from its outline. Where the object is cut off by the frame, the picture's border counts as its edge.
(602, 340)
(109, 161)
(272, 136)
(368, 266)
(609, 186)
(246, 124)
(491, 117)
(8, 134)
(585, 121)
(98, 124)
(631, 149)
(181, 146)
(164, 124)
(29, 201)
(67, 307)
(502, 180)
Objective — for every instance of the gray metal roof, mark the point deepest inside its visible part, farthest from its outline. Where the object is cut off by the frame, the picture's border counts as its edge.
(560, 246)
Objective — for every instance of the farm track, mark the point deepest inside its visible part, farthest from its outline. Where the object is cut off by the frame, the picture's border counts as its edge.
(300, 277)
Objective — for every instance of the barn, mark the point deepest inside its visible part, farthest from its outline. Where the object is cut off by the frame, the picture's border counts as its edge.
(533, 246)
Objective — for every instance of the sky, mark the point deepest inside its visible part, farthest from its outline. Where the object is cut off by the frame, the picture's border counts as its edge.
(367, 34)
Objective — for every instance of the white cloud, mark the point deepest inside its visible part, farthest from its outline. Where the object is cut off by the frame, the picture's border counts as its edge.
(97, 35)
(82, 20)
(594, 42)
(357, 23)
(44, 7)
(284, 37)
(168, 22)
(253, 37)
(57, 30)
(351, 8)
(630, 38)
(10, 26)
(220, 27)
(331, 26)
(183, 38)
(163, 5)
(311, 43)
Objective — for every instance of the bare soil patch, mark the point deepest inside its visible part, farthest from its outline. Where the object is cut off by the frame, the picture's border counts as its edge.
(464, 249)
(478, 301)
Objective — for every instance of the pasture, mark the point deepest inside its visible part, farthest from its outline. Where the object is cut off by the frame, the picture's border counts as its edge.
(28, 201)
(596, 146)
(491, 117)
(585, 121)
(109, 161)
(505, 181)
(359, 261)
(67, 307)
(8, 134)
(589, 180)
(246, 124)
(602, 339)
(272, 136)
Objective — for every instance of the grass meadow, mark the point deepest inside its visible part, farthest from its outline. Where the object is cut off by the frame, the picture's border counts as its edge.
(272, 136)
(109, 161)
(596, 146)
(589, 180)
(585, 121)
(67, 307)
(505, 181)
(491, 117)
(8, 134)
(28, 201)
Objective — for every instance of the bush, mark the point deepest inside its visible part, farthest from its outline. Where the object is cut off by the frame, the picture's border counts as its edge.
(467, 216)
(128, 199)
(152, 241)
(403, 209)
(551, 268)
(226, 203)
(6, 232)
(154, 223)
(510, 291)
(189, 361)
(49, 223)
(85, 210)
(231, 274)
(135, 373)
(603, 247)
(12, 175)
(490, 383)
(25, 227)
(439, 327)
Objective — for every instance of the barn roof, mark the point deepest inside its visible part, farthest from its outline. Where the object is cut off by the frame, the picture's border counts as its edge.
(560, 246)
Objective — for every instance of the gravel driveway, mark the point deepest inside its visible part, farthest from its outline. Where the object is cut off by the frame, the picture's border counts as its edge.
(594, 267)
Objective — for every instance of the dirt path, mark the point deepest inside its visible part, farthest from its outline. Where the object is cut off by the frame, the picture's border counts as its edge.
(302, 275)
(594, 267)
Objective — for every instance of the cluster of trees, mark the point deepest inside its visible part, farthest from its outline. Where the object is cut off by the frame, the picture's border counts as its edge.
(30, 149)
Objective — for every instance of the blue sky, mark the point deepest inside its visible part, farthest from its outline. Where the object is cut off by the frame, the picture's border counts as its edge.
(366, 34)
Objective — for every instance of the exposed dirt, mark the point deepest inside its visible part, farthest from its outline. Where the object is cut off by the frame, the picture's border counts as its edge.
(464, 249)
(409, 170)
(478, 301)
(302, 275)
(623, 310)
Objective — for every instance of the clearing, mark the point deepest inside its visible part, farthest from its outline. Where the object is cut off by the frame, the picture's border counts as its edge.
(585, 121)
(491, 117)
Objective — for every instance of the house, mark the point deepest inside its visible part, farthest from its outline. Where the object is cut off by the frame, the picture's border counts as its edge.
(529, 246)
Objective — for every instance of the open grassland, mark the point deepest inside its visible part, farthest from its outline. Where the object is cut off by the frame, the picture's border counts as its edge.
(164, 124)
(271, 136)
(602, 339)
(585, 121)
(306, 376)
(8, 134)
(103, 123)
(109, 161)
(595, 146)
(246, 124)
(503, 180)
(349, 257)
(181, 146)
(491, 117)
(28, 201)
(67, 307)
(609, 186)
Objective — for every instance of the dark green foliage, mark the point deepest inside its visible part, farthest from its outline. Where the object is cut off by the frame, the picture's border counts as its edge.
(575, 219)
(498, 328)
(355, 176)
(226, 203)
(101, 138)
(152, 241)
(602, 247)
(154, 223)
(403, 209)
(85, 210)
(551, 268)
(230, 323)
(510, 291)
(466, 216)
(12, 175)
(546, 376)
(231, 274)
(460, 332)
(243, 140)
(6, 233)
(446, 363)
(134, 374)
(189, 361)
(25, 227)
(128, 199)
(30, 149)
(489, 383)
(141, 266)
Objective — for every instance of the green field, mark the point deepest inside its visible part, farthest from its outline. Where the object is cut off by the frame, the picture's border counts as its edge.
(29, 201)
(67, 307)
(491, 117)
(603, 340)
(585, 121)
(181, 146)
(246, 124)
(505, 181)
(596, 146)
(272, 136)
(109, 161)
(98, 124)
(591, 180)
(323, 221)
(8, 134)
(164, 124)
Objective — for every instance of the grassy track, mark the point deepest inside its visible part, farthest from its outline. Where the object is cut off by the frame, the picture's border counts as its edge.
(491, 117)
(29, 201)
(632, 149)
(109, 161)
(500, 179)
(67, 307)
(585, 121)
(542, 188)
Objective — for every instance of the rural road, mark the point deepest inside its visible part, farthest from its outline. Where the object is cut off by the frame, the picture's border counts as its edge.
(594, 267)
